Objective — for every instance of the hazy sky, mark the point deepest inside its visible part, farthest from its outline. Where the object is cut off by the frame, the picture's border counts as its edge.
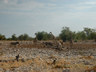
(30, 16)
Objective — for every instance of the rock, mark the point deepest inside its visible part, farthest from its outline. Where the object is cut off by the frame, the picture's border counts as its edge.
(1, 70)
(92, 71)
(22, 60)
(86, 63)
(66, 70)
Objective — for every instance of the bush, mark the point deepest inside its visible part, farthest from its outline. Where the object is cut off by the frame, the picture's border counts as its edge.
(2, 37)
(43, 36)
(65, 34)
(24, 37)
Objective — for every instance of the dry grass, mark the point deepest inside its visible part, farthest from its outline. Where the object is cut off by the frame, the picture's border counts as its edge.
(92, 69)
(81, 45)
(43, 63)
(14, 64)
(87, 57)
(39, 44)
(47, 62)
(61, 63)
(38, 62)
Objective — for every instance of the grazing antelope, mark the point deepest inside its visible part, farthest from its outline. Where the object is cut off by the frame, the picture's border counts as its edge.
(48, 44)
(14, 43)
(56, 43)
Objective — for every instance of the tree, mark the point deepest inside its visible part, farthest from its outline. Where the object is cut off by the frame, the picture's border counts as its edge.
(93, 36)
(20, 37)
(39, 35)
(66, 34)
(80, 35)
(43, 35)
(2, 37)
(88, 32)
(24, 37)
(13, 37)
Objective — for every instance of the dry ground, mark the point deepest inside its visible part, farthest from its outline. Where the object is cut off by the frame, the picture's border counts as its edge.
(80, 58)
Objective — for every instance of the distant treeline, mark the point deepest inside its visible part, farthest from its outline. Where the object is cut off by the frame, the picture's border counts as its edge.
(65, 35)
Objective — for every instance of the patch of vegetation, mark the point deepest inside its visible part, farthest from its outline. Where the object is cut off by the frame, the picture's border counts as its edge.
(65, 35)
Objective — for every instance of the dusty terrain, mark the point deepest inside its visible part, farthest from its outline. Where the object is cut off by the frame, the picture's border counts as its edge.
(80, 58)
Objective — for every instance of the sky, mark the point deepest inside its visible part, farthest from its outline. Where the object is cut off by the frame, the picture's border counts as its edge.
(31, 16)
